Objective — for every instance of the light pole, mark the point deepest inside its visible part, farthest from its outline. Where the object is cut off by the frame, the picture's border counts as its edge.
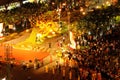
(8, 52)
(59, 14)
(68, 14)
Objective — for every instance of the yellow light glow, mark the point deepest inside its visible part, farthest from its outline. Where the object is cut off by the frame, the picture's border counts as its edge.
(59, 9)
(53, 32)
(4, 79)
(53, 3)
(64, 4)
(61, 61)
(83, 13)
(81, 9)
(22, 45)
(31, 0)
(98, 7)
(108, 3)
(27, 30)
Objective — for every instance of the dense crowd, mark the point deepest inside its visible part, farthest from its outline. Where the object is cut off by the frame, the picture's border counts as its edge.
(102, 56)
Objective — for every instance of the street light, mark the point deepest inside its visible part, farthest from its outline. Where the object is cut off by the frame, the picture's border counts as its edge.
(68, 14)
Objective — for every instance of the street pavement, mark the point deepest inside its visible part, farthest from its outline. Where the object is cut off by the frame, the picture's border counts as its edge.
(54, 73)
(46, 53)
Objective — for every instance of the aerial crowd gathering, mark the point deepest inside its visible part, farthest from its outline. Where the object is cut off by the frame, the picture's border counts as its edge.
(99, 60)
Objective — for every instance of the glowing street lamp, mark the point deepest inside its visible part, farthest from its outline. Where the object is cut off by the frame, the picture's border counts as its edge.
(83, 13)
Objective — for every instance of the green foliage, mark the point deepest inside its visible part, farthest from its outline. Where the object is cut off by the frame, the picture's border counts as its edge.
(117, 18)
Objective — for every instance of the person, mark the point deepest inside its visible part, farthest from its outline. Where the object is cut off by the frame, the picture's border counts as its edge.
(24, 66)
(59, 68)
(63, 73)
(49, 44)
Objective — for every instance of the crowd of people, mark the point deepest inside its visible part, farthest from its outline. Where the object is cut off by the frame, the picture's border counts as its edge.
(100, 60)
(102, 57)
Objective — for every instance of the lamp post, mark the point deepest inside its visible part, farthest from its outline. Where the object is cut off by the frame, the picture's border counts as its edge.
(8, 52)
(68, 14)
(59, 14)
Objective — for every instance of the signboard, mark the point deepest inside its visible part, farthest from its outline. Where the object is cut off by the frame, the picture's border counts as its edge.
(1, 28)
